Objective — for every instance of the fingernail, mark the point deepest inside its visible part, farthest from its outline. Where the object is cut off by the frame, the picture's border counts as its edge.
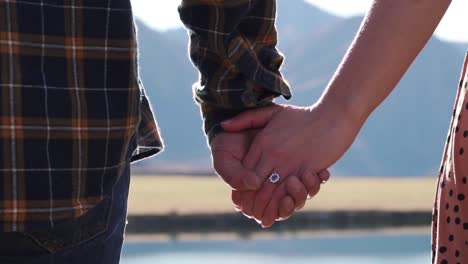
(324, 176)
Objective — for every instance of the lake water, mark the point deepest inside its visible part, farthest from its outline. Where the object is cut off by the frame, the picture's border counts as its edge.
(349, 249)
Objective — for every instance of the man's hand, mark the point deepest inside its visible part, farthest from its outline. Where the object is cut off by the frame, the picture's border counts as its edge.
(228, 151)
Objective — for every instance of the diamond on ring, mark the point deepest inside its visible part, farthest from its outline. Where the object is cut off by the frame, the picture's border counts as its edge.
(274, 178)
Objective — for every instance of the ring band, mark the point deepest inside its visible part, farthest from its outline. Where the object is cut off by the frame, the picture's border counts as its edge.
(275, 177)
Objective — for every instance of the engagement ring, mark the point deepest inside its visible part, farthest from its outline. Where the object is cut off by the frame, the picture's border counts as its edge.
(275, 177)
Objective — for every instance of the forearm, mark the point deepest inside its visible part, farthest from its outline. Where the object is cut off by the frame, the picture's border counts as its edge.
(391, 36)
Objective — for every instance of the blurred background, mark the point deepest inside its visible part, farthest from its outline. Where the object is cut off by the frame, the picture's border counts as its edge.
(376, 208)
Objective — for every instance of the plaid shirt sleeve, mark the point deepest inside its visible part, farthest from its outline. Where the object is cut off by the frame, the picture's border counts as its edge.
(233, 45)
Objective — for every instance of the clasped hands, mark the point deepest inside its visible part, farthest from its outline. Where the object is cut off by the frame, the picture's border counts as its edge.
(298, 143)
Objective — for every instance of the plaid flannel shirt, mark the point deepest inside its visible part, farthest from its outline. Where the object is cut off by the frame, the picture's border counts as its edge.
(233, 44)
(71, 104)
(72, 101)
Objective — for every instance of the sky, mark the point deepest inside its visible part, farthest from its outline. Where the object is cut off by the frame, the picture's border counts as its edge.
(162, 14)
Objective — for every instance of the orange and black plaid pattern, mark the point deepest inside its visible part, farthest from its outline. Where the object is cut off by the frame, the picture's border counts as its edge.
(233, 44)
(70, 104)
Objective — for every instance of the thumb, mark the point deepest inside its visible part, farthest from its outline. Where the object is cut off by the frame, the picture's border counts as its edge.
(234, 173)
(257, 118)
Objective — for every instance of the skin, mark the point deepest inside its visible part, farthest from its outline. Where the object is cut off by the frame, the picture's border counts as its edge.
(228, 151)
(300, 140)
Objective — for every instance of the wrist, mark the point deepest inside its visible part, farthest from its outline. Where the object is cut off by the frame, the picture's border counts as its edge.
(350, 107)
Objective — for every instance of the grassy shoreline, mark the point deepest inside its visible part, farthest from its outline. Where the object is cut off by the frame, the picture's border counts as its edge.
(187, 195)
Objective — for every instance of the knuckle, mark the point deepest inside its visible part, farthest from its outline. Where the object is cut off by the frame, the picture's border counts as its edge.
(235, 185)
(314, 191)
(293, 186)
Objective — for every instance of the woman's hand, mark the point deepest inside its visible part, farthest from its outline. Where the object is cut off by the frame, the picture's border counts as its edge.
(278, 202)
(295, 141)
(228, 152)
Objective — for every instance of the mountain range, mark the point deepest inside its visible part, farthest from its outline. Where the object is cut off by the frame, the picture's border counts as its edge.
(404, 137)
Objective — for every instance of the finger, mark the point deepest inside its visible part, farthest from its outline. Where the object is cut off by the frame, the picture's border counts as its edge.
(248, 203)
(234, 173)
(237, 198)
(272, 210)
(324, 176)
(264, 168)
(310, 180)
(253, 156)
(250, 119)
(297, 191)
(313, 192)
(263, 196)
(262, 199)
(286, 208)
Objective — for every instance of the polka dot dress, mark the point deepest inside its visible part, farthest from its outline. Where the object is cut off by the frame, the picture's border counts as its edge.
(450, 215)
